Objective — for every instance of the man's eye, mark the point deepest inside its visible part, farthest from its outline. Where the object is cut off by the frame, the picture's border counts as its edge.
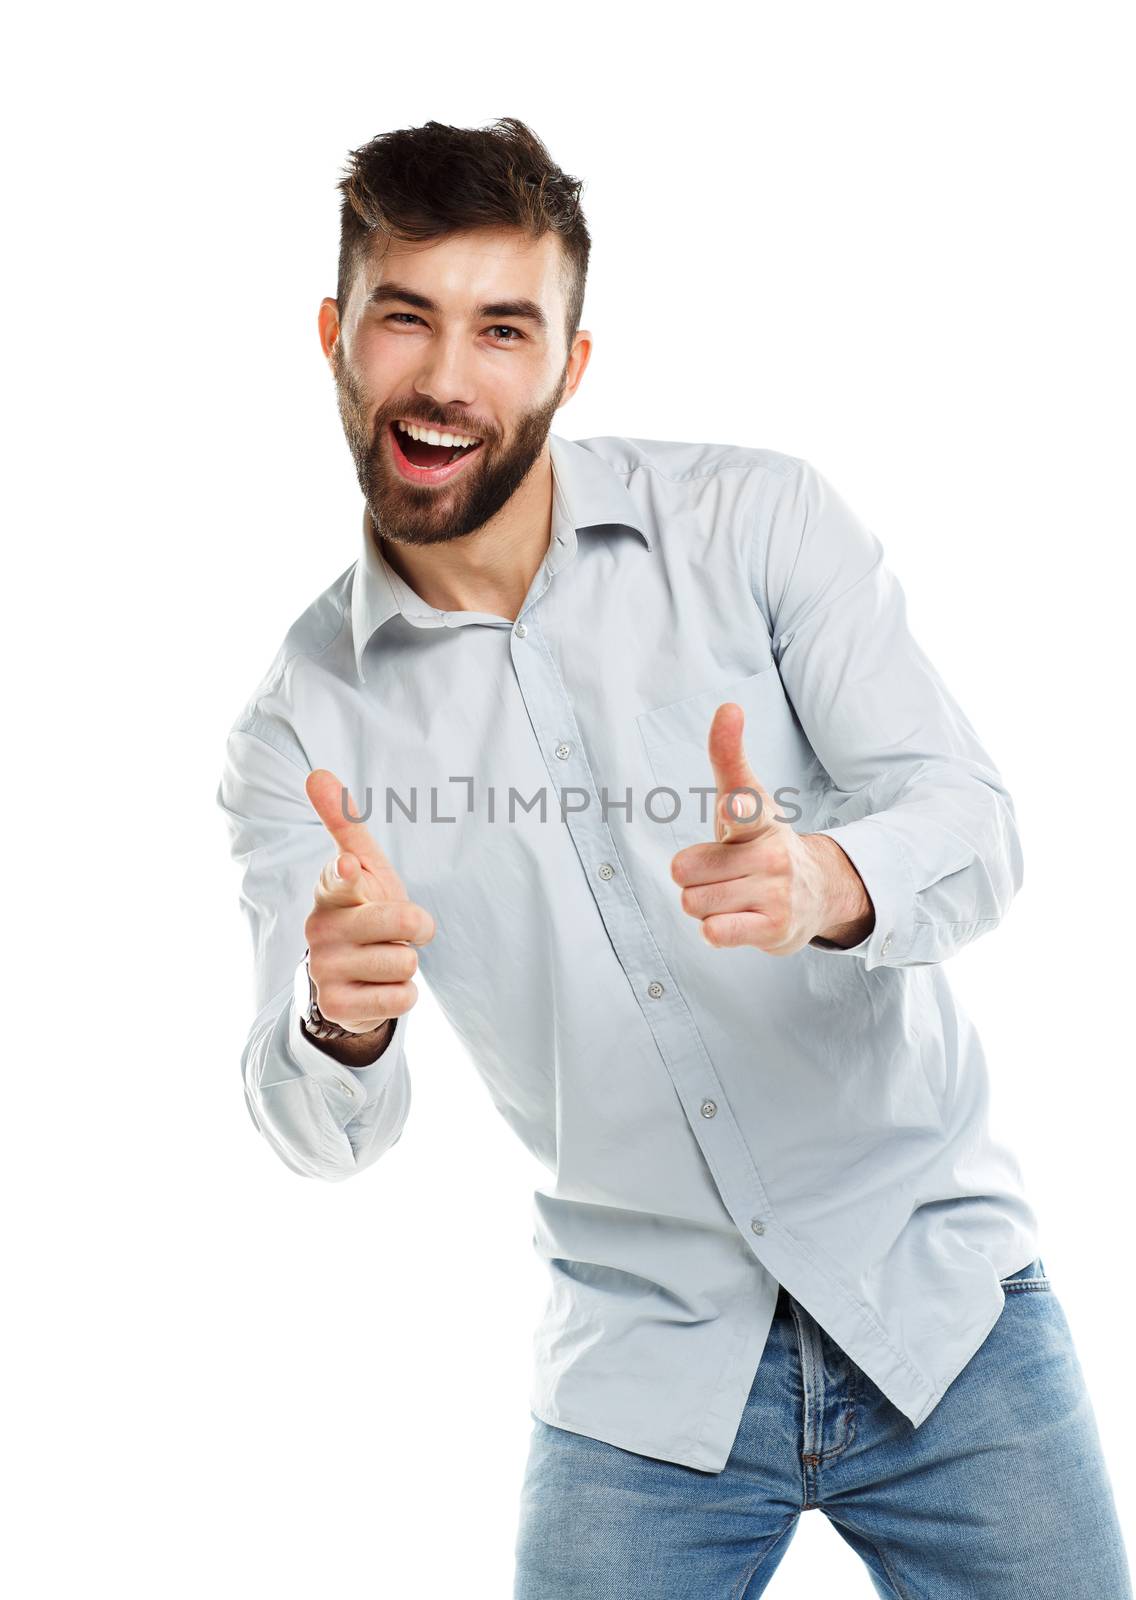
(514, 333)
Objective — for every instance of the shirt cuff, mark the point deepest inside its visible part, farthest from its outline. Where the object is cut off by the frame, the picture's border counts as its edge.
(879, 859)
(349, 1089)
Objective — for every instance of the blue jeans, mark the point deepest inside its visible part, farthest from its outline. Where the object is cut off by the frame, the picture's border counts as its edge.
(1001, 1493)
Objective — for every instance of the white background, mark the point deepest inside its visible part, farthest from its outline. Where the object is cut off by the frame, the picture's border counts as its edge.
(890, 238)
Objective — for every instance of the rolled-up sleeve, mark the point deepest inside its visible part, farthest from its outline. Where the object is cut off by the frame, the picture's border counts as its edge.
(914, 800)
(323, 1119)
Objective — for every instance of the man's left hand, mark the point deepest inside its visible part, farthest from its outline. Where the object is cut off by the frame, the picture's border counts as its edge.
(762, 883)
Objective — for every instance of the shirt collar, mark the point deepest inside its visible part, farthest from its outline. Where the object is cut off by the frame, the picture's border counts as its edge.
(588, 492)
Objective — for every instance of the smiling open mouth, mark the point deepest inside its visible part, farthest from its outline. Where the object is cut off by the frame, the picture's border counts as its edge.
(423, 462)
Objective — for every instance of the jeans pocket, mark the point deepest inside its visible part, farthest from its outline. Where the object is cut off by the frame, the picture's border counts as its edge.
(1030, 1277)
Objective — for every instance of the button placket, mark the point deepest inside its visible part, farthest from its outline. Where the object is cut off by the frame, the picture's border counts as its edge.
(681, 1048)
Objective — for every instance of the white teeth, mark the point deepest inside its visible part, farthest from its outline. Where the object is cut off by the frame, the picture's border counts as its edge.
(432, 436)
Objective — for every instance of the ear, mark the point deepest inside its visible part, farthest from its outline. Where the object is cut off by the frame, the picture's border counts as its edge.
(329, 330)
(578, 358)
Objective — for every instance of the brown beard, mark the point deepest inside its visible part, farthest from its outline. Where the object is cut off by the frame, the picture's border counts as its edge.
(406, 514)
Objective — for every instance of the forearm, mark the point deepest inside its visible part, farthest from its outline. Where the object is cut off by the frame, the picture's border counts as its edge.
(942, 863)
(322, 1119)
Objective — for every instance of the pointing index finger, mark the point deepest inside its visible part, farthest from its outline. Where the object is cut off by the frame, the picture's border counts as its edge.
(330, 799)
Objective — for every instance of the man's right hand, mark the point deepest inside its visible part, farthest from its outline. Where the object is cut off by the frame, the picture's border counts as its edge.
(363, 926)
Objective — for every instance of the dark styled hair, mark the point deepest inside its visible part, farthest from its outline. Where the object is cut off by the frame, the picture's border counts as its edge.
(419, 184)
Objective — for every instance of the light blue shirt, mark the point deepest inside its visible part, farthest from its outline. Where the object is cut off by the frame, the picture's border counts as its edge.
(714, 1121)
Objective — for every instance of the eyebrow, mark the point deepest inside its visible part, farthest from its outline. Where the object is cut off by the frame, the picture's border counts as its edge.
(525, 310)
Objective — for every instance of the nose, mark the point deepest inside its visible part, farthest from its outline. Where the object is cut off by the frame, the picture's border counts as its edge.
(444, 378)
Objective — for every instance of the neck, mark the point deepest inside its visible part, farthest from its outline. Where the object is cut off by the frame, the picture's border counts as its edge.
(492, 569)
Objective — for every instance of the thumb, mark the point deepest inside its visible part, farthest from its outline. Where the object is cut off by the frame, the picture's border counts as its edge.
(341, 882)
(744, 808)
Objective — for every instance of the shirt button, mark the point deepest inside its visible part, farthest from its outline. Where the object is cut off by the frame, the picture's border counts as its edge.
(563, 751)
(520, 630)
(655, 989)
(757, 1225)
(886, 946)
(607, 871)
(708, 1108)
(347, 1089)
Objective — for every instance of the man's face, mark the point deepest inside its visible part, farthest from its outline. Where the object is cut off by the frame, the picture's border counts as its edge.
(497, 375)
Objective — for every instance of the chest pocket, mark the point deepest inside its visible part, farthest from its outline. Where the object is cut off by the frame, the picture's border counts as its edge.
(675, 735)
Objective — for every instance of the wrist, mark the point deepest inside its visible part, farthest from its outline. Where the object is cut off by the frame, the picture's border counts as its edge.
(352, 1049)
(848, 915)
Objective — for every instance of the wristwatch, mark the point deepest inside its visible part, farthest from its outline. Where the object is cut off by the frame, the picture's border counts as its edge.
(315, 1024)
